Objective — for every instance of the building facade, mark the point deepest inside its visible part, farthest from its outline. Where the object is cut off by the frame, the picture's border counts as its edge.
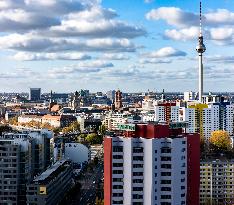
(49, 187)
(22, 156)
(216, 182)
(166, 112)
(35, 94)
(151, 165)
(206, 118)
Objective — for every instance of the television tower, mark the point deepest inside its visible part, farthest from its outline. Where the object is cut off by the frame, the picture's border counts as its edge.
(200, 49)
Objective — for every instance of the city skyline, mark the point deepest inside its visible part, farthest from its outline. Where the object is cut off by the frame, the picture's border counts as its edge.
(108, 45)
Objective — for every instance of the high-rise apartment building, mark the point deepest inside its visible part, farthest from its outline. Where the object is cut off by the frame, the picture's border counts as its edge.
(35, 94)
(15, 168)
(166, 112)
(206, 118)
(151, 164)
(216, 182)
(22, 156)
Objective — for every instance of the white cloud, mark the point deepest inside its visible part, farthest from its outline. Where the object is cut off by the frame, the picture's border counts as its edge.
(96, 22)
(85, 68)
(115, 56)
(221, 33)
(218, 24)
(154, 61)
(182, 34)
(164, 52)
(31, 43)
(21, 20)
(25, 56)
(220, 17)
(179, 18)
(220, 59)
(173, 16)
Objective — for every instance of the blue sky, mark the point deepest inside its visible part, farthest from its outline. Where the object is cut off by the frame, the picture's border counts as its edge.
(133, 45)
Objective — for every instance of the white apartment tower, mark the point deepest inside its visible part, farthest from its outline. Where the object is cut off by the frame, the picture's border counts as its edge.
(152, 165)
(206, 118)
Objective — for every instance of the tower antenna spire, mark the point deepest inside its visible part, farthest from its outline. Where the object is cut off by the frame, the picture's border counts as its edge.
(200, 18)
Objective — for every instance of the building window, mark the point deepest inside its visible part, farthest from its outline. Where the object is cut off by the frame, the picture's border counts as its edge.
(137, 196)
(117, 179)
(165, 196)
(137, 149)
(137, 203)
(117, 149)
(165, 150)
(137, 173)
(117, 164)
(135, 181)
(137, 158)
(165, 158)
(138, 165)
(117, 171)
(166, 166)
(117, 156)
(117, 187)
(118, 202)
(165, 181)
(165, 173)
(117, 194)
(137, 188)
(166, 189)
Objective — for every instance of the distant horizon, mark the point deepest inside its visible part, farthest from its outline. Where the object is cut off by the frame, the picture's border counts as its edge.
(93, 92)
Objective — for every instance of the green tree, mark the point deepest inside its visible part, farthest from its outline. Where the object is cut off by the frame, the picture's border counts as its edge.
(91, 138)
(73, 127)
(220, 140)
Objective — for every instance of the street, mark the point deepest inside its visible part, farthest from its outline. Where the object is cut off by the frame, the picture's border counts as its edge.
(88, 190)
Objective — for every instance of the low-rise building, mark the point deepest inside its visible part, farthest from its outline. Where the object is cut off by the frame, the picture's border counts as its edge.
(49, 187)
(59, 120)
(29, 118)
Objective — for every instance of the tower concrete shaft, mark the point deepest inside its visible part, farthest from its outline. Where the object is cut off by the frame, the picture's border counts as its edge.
(200, 77)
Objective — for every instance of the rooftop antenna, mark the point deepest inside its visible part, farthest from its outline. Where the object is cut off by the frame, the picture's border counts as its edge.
(200, 19)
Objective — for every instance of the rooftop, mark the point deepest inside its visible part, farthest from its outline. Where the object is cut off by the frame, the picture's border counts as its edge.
(47, 174)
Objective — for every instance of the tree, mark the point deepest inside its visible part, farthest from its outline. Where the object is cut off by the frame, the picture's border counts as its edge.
(13, 121)
(91, 138)
(73, 127)
(5, 128)
(220, 140)
(56, 130)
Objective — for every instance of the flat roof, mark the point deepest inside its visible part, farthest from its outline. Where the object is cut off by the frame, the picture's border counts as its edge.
(49, 171)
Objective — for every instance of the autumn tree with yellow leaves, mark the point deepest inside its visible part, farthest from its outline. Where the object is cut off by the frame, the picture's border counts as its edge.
(220, 140)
